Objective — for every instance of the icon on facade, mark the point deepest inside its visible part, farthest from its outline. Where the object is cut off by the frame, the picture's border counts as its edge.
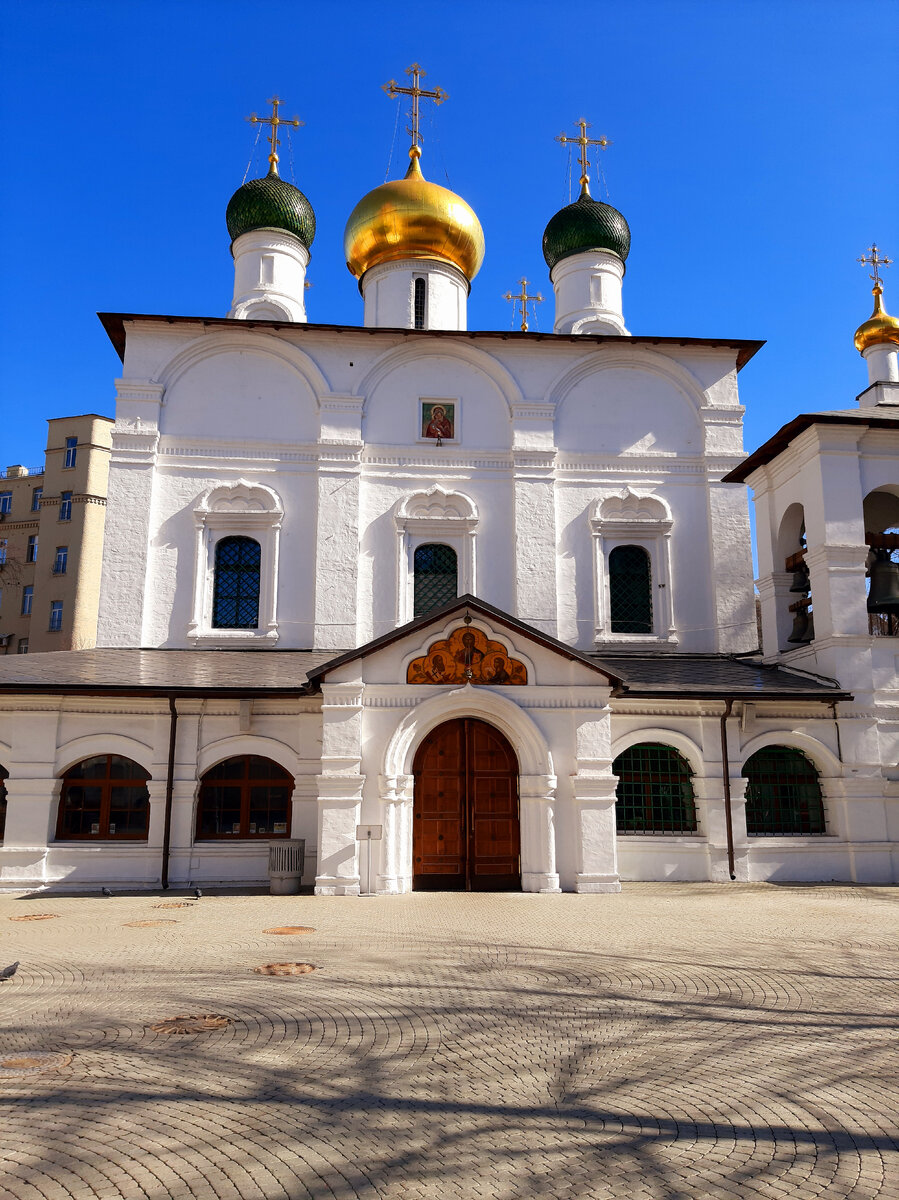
(438, 420)
(467, 656)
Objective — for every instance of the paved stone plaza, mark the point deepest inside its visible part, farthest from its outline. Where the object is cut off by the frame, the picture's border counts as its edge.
(674, 1041)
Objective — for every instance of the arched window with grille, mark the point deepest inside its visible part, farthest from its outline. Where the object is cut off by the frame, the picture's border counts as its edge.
(246, 797)
(783, 794)
(654, 792)
(419, 299)
(104, 796)
(630, 590)
(4, 775)
(436, 577)
(235, 603)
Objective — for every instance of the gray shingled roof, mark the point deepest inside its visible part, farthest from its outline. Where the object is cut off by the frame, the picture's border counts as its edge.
(692, 676)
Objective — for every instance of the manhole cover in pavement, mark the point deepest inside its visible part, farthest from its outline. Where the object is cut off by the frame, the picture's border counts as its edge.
(285, 969)
(35, 917)
(191, 1023)
(145, 924)
(287, 929)
(34, 1063)
(174, 904)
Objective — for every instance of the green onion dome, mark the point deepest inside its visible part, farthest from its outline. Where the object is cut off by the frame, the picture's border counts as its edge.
(587, 224)
(270, 203)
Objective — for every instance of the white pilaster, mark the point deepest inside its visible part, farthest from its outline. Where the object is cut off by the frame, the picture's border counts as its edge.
(538, 834)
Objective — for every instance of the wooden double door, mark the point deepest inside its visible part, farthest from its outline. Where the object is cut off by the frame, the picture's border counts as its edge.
(466, 834)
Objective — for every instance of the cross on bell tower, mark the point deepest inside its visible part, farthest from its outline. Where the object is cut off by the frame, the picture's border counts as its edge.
(393, 89)
(523, 299)
(873, 259)
(274, 121)
(583, 142)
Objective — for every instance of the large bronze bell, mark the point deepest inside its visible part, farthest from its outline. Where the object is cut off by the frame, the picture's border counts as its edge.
(801, 582)
(883, 595)
(800, 626)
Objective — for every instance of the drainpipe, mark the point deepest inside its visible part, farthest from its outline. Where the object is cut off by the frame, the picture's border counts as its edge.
(725, 768)
(169, 788)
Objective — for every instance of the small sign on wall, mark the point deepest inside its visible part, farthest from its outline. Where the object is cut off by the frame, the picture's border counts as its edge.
(365, 833)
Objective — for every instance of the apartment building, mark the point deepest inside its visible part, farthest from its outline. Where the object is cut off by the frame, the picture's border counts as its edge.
(51, 539)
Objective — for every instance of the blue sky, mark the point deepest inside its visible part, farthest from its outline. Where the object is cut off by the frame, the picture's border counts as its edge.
(752, 155)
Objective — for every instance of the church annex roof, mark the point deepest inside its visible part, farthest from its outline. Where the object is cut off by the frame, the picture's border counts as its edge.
(114, 324)
(787, 433)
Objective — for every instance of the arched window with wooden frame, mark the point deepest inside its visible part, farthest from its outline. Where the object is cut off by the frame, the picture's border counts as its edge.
(436, 577)
(235, 602)
(655, 791)
(630, 590)
(245, 797)
(4, 775)
(104, 797)
(783, 794)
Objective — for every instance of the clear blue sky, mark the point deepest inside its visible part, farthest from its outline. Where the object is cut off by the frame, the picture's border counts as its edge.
(754, 156)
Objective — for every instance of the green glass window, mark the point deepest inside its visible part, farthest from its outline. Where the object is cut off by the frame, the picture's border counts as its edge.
(436, 577)
(783, 795)
(655, 791)
(236, 595)
(630, 590)
(245, 797)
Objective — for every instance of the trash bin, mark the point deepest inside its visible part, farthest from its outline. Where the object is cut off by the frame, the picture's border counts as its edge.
(285, 866)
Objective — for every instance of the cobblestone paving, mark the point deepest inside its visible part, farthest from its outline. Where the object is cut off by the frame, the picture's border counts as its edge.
(673, 1041)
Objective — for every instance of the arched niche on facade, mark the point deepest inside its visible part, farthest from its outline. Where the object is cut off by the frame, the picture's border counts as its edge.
(881, 513)
(238, 509)
(633, 518)
(435, 515)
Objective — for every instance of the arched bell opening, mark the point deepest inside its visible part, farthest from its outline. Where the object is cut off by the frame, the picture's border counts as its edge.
(795, 621)
(881, 512)
(466, 833)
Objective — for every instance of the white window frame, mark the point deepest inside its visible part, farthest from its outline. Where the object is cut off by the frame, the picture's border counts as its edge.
(448, 518)
(239, 509)
(633, 518)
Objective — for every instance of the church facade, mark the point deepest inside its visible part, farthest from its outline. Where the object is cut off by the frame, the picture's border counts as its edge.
(488, 593)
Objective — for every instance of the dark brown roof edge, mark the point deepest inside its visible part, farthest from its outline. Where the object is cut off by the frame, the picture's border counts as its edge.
(228, 692)
(466, 601)
(775, 445)
(726, 693)
(114, 324)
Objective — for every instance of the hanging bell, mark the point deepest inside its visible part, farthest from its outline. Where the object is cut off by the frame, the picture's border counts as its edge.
(800, 626)
(809, 635)
(883, 596)
(801, 582)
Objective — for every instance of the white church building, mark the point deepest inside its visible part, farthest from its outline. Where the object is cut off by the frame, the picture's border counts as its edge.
(490, 593)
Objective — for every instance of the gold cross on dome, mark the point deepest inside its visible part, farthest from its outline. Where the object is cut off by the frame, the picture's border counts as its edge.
(393, 89)
(583, 141)
(274, 121)
(875, 261)
(523, 299)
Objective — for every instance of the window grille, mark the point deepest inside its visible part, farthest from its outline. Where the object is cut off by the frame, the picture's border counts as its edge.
(783, 795)
(104, 797)
(31, 551)
(65, 506)
(4, 775)
(71, 452)
(436, 577)
(36, 499)
(419, 303)
(27, 599)
(236, 591)
(630, 590)
(655, 791)
(245, 797)
(55, 616)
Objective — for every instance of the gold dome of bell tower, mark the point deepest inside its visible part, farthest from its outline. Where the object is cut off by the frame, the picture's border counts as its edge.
(880, 328)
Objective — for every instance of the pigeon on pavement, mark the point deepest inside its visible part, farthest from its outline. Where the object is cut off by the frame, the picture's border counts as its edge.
(8, 972)
(105, 891)
(198, 895)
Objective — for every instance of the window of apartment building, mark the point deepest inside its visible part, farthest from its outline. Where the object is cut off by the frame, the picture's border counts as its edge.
(55, 616)
(36, 499)
(71, 452)
(61, 560)
(27, 600)
(22, 647)
(31, 552)
(5, 502)
(2, 551)
(65, 506)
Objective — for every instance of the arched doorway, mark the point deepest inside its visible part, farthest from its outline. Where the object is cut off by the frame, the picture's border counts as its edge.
(466, 834)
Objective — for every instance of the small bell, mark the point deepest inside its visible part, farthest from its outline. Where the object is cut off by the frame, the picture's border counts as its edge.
(800, 626)
(801, 582)
(883, 595)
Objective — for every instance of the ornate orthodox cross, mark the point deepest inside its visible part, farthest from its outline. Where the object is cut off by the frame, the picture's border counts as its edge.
(274, 121)
(874, 260)
(523, 299)
(393, 89)
(583, 141)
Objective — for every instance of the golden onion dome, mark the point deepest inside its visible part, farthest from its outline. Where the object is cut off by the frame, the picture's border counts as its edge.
(879, 328)
(411, 218)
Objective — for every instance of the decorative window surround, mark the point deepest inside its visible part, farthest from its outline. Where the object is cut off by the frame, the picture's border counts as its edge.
(236, 508)
(633, 518)
(436, 515)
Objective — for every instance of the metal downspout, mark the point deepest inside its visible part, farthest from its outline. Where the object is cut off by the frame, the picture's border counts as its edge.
(725, 768)
(169, 788)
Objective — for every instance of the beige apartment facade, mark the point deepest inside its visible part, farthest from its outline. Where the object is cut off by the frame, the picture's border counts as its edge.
(51, 540)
